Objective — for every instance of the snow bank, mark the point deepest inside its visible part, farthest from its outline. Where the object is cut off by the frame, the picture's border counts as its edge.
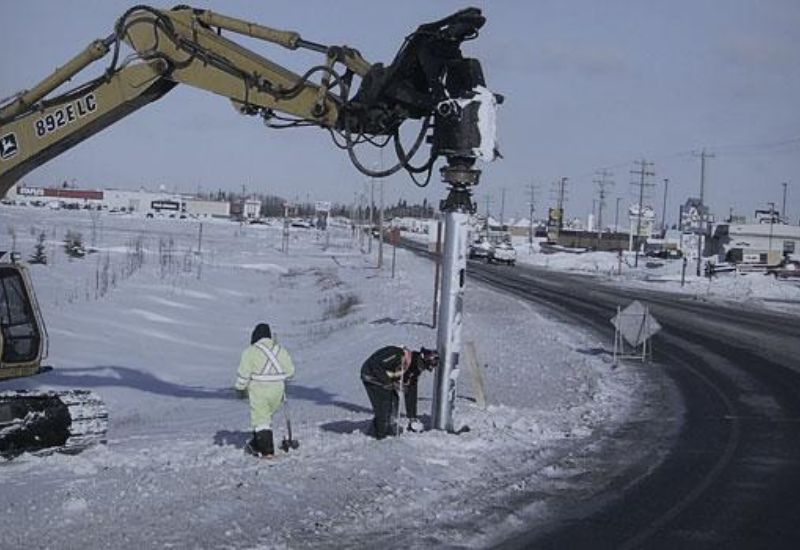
(749, 289)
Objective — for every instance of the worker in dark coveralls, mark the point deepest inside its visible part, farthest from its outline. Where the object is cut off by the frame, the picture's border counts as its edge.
(386, 373)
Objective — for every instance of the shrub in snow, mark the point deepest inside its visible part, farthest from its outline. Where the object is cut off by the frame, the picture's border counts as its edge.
(73, 244)
(39, 256)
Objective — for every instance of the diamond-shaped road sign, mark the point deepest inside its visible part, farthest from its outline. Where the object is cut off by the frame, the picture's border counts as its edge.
(635, 323)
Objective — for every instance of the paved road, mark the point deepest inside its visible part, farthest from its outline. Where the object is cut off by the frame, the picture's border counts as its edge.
(731, 477)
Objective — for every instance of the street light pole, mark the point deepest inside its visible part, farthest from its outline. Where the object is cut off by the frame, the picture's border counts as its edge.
(783, 206)
(771, 222)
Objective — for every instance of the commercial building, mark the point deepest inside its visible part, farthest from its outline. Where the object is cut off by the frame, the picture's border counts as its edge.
(120, 200)
(208, 209)
(754, 242)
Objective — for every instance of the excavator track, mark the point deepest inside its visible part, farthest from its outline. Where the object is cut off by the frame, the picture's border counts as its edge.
(45, 422)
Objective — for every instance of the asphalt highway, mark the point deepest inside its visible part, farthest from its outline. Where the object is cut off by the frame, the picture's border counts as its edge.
(730, 474)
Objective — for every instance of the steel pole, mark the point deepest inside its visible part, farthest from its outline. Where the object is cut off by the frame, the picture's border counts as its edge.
(448, 338)
(436, 277)
(460, 176)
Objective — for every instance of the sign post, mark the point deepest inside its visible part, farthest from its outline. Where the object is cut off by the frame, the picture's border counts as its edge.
(394, 238)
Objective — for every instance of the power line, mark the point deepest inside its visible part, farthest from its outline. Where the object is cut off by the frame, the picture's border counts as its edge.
(742, 149)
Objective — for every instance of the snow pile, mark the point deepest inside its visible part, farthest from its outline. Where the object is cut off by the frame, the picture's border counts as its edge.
(753, 289)
(154, 322)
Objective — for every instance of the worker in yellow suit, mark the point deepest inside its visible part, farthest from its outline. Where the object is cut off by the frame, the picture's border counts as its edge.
(263, 369)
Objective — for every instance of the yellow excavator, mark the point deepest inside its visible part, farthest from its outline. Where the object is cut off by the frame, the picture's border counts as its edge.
(153, 50)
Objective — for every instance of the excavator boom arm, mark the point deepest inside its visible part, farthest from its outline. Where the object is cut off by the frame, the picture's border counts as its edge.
(171, 47)
(186, 45)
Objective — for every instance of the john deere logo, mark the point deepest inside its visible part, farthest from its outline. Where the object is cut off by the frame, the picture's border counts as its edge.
(8, 146)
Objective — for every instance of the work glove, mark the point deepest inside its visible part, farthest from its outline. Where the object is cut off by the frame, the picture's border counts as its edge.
(241, 394)
(414, 425)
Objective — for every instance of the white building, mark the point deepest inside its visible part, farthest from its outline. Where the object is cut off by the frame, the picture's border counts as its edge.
(755, 242)
(135, 201)
(251, 209)
(208, 209)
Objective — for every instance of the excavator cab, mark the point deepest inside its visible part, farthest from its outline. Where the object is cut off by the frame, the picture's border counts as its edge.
(33, 421)
(22, 331)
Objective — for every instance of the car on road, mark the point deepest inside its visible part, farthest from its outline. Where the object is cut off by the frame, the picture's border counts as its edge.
(502, 252)
(480, 249)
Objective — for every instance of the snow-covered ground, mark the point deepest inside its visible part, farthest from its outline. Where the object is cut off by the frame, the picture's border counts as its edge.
(156, 330)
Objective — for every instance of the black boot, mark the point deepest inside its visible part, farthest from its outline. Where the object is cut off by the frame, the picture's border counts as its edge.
(264, 443)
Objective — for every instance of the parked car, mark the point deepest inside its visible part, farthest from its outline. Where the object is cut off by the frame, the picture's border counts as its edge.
(480, 249)
(789, 269)
(502, 252)
(665, 254)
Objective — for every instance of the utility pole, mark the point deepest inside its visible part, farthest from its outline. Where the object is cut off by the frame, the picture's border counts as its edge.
(488, 203)
(532, 187)
(783, 206)
(642, 172)
(602, 181)
(502, 206)
(562, 192)
(616, 216)
(701, 222)
(664, 208)
(561, 198)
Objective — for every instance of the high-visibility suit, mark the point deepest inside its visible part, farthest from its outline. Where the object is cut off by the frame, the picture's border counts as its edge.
(264, 367)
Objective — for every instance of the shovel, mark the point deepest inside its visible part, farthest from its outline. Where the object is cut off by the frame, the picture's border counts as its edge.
(288, 442)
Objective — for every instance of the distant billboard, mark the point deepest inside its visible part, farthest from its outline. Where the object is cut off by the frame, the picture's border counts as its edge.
(555, 217)
(172, 206)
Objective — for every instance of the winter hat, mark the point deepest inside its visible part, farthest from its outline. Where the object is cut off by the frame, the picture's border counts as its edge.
(262, 330)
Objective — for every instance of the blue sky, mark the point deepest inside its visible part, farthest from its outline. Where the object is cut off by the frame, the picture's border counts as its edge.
(588, 85)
